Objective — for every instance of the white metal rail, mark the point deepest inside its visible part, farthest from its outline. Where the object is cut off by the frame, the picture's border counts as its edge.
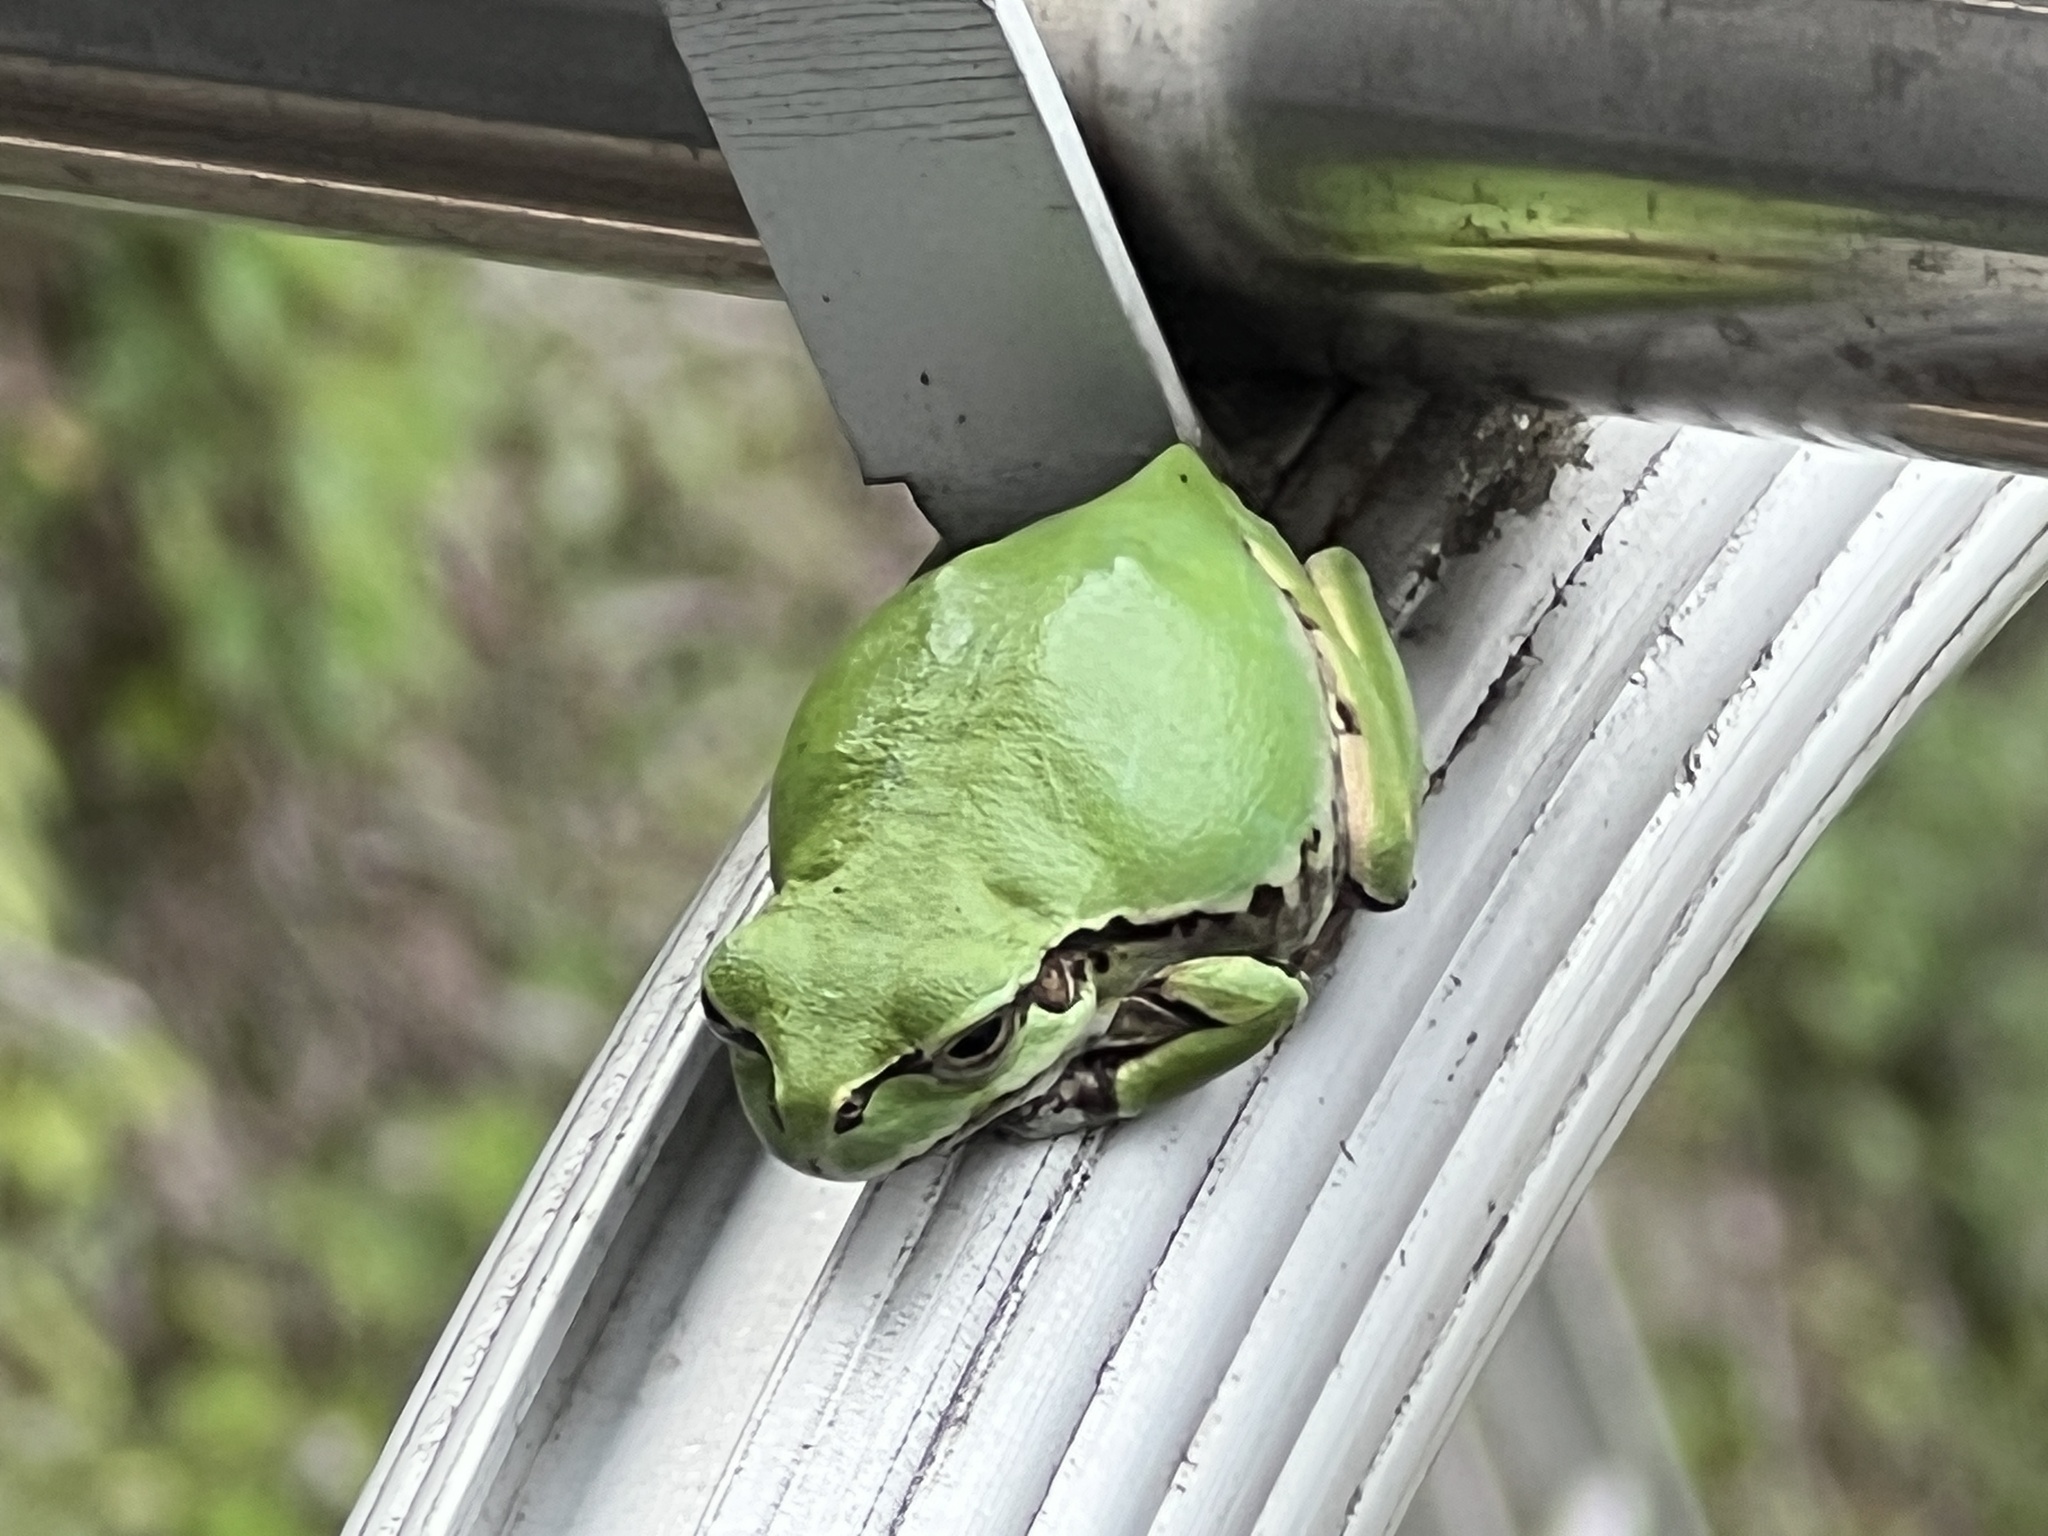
(1563, 1434)
(1259, 1310)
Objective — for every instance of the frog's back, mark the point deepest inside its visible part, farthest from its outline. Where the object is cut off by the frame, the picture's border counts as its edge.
(1112, 711)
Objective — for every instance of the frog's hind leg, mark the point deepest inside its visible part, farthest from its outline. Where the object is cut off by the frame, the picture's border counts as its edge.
(1242, 1004)
(1379, 746)
(1188, 1023)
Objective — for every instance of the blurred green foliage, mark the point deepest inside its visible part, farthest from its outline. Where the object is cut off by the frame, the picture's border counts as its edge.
(1835, 1204)
(386, 645)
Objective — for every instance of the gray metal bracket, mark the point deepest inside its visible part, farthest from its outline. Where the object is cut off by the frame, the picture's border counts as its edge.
(918, 181)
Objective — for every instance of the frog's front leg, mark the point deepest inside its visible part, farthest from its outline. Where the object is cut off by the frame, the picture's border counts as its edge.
(1239, 1005)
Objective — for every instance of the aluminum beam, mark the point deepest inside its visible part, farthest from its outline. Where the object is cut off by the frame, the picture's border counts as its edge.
(1821, 217)
(1257, 1312)
(1828, 217)
(590, 66)
(563, 135)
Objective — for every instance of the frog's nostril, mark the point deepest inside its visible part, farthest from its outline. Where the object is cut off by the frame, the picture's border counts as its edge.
(854, 1107)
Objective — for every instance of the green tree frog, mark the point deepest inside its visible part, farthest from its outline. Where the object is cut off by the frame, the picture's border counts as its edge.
(1064, 830)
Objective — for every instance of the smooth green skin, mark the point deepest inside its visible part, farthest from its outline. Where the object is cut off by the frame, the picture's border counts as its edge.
(1117, 713)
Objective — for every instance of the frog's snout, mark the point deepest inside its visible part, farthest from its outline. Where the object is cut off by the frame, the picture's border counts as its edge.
(817, 1135)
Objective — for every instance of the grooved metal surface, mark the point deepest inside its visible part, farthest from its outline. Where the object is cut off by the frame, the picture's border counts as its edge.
(1260, 1309)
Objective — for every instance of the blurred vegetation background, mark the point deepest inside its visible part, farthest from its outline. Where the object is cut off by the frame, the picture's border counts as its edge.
(1833, 1208)
(387, 645)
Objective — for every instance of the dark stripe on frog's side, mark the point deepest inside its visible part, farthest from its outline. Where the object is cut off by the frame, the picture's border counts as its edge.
(1125, 958)
(1344, 722)
(1277, 923)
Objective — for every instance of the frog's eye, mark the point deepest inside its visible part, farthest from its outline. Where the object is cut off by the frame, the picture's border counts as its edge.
(731, 1033)
(975, 1050)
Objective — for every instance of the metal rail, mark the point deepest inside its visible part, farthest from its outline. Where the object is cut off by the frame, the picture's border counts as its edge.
(592, 66)
(633, 191)
(1828, 217)
(1259, 1310)
(1823, 217)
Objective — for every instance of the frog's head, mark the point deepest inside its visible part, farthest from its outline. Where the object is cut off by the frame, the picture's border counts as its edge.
(860, 1039)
